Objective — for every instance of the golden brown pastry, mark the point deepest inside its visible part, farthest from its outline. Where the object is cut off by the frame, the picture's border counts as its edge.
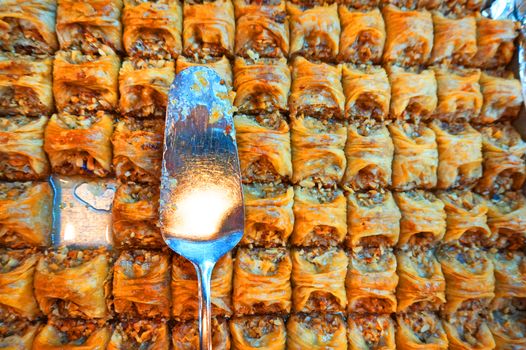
(25, 214)
(73, 283)
(316, 332)
(421, 286)
(22, 154)
(369, 151)
(316, 89)
(459, 96)
(263, 143)
(367, 92)
(371, 280)
(510, 273)
(495, 42)
(140, 334)
(17, 334)
(71, 334)
(415, 158)
(371, 332)
(208, 29)
(466, 217)
(504, 153)
(459, 155)
(420, 331)
(89, 25)
(144, 86)
(25, 85)
(373, 218)
(507, 324)
(135, 216)
(356, 4)
(317, 151)
(318, 279)
(468, 330)
(141, 284)
(363, 35)
(462, 7)
(409, 36)
(220, 65)
(261, 85)
(185, 335)
(507, 219)
(258, 332)
(415, 4)
(28, 26)
(152, 29)
(269, 219)
(185, 290)
(320, 217)
(77, 144)
(137, 150)
(17, 268)
(455, 39)
(262, 281)
(502, 97)
(314, 32)
(85, 83)
(262, 29)
(413, 93)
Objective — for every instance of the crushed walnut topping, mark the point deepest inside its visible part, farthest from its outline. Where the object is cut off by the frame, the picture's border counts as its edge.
(257, 327)
(11, 325)
(65, 258)
(13, 190)
(11, 259)
(137, 263)
(271, 120)
(472, 258)
(368, 127)
(371, 198)
(265, 190)
(138, 334)
(71, 121)
(135, 193)
(262, 261)
(425, 325)
(12, 123)
(372, 259)
(373, 329)
(453, 128)
(322, 324)
(508, 202)
(468, 323)
(422, 258)
(75, 331)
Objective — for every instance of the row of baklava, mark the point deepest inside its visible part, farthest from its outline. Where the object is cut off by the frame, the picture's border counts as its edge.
(157, 30)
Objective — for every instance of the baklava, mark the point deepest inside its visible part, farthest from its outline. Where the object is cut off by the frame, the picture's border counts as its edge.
(71, 334)
(419, 331)
(371, 332)
(316, 332)
(258, 332)
(502, 98)
(17, 334)
(495, 42)
(140, 334)
(185, 335)
(506, 218)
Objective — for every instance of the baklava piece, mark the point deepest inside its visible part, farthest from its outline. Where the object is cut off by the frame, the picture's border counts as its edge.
(137, 150)
(413, 93)
(466, 217)
(363, 36)
(314, 32)
(373, 219)
(141, 284)
(510, 275)
(367, 92)
(369, 151)
(458, 92)
(73, 283)
(152, 29)
(269, 218)
(185, 335)
(144, 86)
(495, 42)
(459, 155)
(89, 25)
(208, 29)
(371, 332)
(262, 281)
(17, 297)
(263, 143)
(409, 36)
(316, 332)
(415, 158)
(318, 279)
(140, 334)
(78, 144)
(320, 217)
(25, 214)
(220, 64)
(185, 289)
(317, 151)
(421, 285)
(469, 330)
(504, 153)
(316, 90)
(17, 334)
(262, 29)
(261, 85)
(420, 331)
(85, 83)
(507, 323)
(258, 332)
(71, 334)
(22, 154)
(455, 40)
(135, 216)
(507, 220)
(371, 280)
(462, 7)
(502, 97)
(25, 85)
(28, 27)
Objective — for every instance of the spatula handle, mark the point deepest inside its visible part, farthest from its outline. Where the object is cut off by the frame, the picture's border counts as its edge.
(204, 276)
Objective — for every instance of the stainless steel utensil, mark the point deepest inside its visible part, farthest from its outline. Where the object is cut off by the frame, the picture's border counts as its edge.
(201, 208)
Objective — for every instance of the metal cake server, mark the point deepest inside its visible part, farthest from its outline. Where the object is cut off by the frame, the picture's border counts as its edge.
(201, 206)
